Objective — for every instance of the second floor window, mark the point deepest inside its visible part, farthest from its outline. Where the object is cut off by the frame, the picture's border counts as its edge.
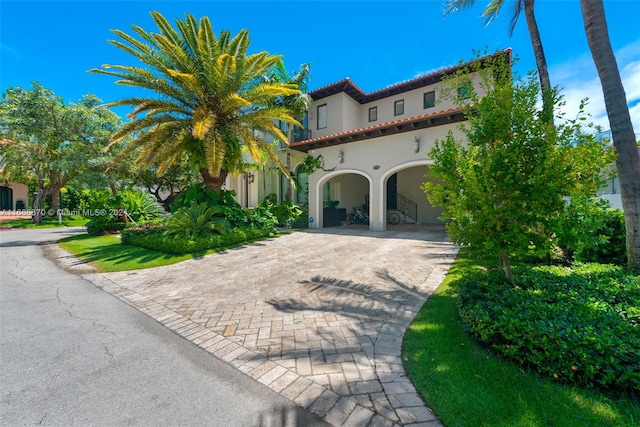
(322, 116)
(429, 99)
(398, 108)
(464, 91)
(373, 114)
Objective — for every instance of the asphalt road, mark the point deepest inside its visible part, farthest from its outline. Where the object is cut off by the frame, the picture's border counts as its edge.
(73, 355)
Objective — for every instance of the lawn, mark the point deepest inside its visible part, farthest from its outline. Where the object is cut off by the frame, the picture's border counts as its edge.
(467, 385)
(49, 222)
(107, 254)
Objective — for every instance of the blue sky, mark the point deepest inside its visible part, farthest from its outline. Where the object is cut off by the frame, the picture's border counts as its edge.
(375, 43)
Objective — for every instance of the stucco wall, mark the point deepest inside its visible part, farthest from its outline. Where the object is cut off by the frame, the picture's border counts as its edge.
(19, 192)
(376, 159)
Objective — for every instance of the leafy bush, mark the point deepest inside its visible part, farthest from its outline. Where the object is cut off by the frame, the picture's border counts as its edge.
(286, 212)
(113, 213)
(197, 220)
(581, 325)
(156, 239)
(104, 224)
(261, 217)
(610, 246)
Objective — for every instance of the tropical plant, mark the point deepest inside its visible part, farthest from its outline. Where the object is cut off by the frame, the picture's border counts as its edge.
(491, 12)
(286, 212)
(212, 101)
(298, 104)
(628, 161)
(111, 213)
(505, 187)
(196, 220)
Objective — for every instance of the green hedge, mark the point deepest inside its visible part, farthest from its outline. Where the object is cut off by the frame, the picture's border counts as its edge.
(580, 324)
(154, 238)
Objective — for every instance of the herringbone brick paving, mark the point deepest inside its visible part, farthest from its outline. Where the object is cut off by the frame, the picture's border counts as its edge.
(317, 316)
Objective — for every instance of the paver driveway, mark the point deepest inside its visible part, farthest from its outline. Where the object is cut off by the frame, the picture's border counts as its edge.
(317, 315)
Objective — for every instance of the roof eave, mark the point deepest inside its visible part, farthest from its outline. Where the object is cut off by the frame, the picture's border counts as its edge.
(385, 129)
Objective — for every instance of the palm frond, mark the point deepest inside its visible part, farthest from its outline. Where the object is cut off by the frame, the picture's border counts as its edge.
(453, 6)
(516, 9)
(203, 120)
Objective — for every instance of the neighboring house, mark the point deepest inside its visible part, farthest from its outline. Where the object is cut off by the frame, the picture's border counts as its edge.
(14, 196)
(611, 190)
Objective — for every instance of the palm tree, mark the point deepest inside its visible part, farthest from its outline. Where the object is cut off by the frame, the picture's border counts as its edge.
(298, 104)
(628, 162)
(212, 102)
(491, 12)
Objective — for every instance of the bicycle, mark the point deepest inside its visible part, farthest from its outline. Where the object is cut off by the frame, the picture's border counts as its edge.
(357, 217)
(394, 217)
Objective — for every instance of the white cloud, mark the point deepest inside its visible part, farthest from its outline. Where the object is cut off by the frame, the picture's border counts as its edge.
(578, 79)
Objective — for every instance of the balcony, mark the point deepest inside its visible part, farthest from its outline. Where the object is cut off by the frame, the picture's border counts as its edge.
(301, 134)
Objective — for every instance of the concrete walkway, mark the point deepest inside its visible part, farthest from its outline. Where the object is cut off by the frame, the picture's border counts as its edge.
(317, 316)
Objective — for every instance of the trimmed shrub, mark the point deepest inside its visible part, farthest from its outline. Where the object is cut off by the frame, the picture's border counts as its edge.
(106, 224)
(580, 325)
(155, 238)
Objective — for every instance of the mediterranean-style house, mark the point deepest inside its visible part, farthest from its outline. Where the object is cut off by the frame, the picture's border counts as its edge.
(374, 148)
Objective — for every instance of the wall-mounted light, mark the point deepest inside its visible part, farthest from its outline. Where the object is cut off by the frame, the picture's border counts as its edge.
(250, 177)
(341, 156)
(416, 144)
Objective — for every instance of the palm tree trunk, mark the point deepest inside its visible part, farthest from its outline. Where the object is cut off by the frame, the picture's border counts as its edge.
(628, 162)
(215, 183)
(541, 62)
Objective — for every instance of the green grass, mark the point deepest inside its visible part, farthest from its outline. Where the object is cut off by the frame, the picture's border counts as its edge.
(67, 221)
(466, 385)
(107, 254)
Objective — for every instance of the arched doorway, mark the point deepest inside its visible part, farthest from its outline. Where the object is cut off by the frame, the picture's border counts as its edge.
(339, 193)
(403, 194)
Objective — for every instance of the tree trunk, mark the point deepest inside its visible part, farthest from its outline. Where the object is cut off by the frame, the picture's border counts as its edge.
(214, 183)
(36, 218)
(55, 199)
(541, 62)
(506, 265)
(114, 189)
(628, 162)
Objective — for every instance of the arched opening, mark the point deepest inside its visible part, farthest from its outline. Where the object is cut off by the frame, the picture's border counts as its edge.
(340, 193)
(404, 199)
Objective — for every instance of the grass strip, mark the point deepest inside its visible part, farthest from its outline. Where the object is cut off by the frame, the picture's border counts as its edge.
(67, 221)
(107, 254)
(467, 385)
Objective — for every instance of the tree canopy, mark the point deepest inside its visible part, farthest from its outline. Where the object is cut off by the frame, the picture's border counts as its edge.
(49, 143)
(209, 99)
(504, 189)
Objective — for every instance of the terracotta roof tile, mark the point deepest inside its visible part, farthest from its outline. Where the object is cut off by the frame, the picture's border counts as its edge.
(348, 86)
